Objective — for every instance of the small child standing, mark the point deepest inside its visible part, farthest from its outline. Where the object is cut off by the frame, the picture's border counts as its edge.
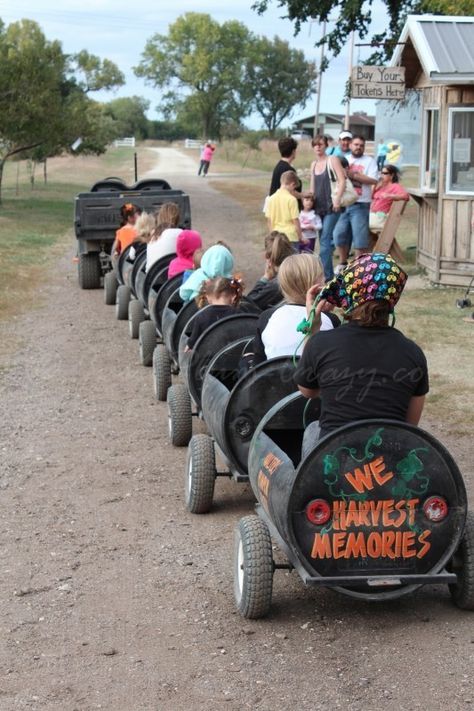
(223, 296)
(310, 224)
(282, 210)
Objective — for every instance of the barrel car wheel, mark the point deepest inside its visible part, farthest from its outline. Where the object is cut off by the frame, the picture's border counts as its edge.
(200, 474)
(253, 568)
(136, 315)
(161, 372)
(147, 342)
(121, 302)
(89, 271)
(462, 564)
(180, 419)
(110, 288)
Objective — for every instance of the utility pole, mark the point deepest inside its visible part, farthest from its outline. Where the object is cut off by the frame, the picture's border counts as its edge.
(348, 104)
(319, 83)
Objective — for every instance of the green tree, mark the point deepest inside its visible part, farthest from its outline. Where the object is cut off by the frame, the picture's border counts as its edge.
(93, 73)
(44, 106)
(31, 73)
(279, 79)
(129, 115)
(355, 15)
(201, 64)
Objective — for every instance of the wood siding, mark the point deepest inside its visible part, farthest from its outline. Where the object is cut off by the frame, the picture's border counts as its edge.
(445, 224)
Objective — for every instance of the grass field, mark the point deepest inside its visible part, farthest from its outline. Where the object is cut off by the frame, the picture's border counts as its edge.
(36, 226)
(36, 223)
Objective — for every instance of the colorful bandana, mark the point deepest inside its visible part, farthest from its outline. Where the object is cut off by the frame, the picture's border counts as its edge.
(370, 277)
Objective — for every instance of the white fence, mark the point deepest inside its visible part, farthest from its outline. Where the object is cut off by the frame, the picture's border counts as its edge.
(192, 143)
(128, 141)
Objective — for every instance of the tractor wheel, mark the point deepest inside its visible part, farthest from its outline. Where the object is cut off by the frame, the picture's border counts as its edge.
(253, 568)
(462, 564)
(89, 271)
(147, 342)
(136, 315)
(180, 419)
(121, 303)
(110, 288)
(200, 474)
(161, 372)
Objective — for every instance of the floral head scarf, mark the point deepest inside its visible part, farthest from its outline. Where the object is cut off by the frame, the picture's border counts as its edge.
(370, 277)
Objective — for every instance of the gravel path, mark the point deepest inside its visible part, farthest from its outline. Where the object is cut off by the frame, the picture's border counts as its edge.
(113, 597)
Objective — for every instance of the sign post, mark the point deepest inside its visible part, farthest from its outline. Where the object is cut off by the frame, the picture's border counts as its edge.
(378, 83)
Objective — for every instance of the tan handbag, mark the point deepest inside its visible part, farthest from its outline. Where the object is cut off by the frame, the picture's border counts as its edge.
(349, 196)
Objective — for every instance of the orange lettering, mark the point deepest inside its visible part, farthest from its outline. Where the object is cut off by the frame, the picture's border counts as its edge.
(388, 539)
(411, 505)
(377, 467)
(387, 510)
(400, 507)
(338, 509)
(338, 541)
(359, 479)
(398, 544)
(407, 543)
(321, 546)
(426, 546)
(352, 516)
(355, 546)
(375, 510)
(374, 545)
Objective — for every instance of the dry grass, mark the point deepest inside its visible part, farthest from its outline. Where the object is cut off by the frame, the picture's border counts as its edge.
(36, 224)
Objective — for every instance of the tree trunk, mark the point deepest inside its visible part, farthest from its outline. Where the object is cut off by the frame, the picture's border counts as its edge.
(17, 186)
(45, 171)
(2, 164)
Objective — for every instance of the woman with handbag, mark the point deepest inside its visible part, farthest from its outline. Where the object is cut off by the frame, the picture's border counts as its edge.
(327, 203)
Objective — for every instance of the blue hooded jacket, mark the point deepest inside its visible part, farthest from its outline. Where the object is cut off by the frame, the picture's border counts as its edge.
(216, 261)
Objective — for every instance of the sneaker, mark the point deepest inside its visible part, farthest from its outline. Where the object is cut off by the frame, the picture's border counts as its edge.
(340, 268)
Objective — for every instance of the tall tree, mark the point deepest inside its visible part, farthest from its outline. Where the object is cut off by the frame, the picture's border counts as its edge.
(279, 79)
(31, 72)
(129, 114)
(201, 64)
(43, 106)
(356, 15)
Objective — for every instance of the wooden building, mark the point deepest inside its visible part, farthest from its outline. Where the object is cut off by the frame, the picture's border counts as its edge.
(438, 55)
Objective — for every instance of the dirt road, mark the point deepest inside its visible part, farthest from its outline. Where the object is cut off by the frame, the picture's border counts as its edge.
(113, 597)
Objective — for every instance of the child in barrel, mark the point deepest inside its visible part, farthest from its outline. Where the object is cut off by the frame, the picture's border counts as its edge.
(222, 297)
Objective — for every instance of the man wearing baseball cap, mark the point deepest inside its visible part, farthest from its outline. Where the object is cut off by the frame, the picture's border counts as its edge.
(342, 150)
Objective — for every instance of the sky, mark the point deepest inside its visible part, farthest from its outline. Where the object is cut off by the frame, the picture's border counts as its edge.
(119, 29)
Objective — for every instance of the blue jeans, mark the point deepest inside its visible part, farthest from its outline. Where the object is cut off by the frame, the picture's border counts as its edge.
(326, 248)
(353, 227)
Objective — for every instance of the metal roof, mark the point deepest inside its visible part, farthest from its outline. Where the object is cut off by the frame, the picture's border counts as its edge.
(444, 46)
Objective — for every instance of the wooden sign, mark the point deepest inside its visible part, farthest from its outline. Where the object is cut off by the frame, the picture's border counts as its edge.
(369, 82)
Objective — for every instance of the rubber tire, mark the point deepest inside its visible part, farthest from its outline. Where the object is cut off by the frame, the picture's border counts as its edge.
(253, 582)
(136, 314)
(180, 418)
(462, 592)
(200, 474)
(147, 342)
(89, 271)
(121, 302)
(161, 373)
(110, 288)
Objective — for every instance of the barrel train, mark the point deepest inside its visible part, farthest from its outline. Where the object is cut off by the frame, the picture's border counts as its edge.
(377, 509)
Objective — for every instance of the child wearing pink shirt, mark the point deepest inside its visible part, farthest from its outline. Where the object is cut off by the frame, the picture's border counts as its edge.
(206, 157)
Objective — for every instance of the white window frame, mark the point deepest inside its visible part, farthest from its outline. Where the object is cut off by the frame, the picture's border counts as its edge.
(427, 150)
(449, 165)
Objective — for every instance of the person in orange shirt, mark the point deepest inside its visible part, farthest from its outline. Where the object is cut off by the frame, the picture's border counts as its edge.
(127, 232)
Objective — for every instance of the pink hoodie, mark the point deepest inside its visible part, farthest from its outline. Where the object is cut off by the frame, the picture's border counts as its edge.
(187, 243)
